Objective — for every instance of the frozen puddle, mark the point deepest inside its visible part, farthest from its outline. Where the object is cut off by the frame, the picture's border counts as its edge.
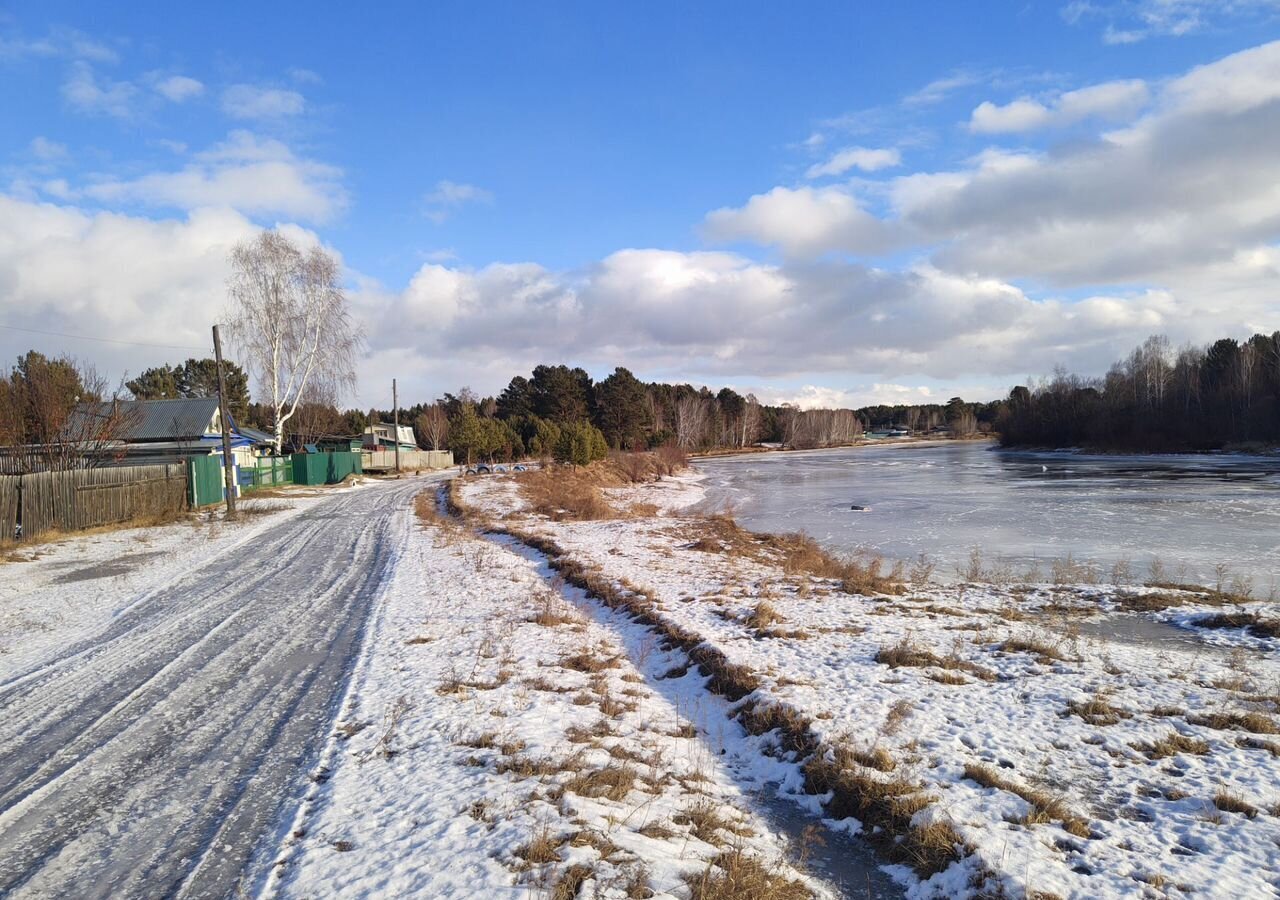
(848, 867)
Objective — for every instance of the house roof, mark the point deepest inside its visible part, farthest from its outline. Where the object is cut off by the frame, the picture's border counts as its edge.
(254, 435)
(152, 420)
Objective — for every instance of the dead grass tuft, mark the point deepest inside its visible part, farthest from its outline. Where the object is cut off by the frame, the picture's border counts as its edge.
(588, 661)
(735, 875)
(794, 731)
(762, 616)
(1096, 710)
(1172, 744)
(542, 848)
(609, 783)
(1230, 801)
(569, 885)
(706, 820)
(1045, 807)
(907, 652)
(1037, 647)
(1252, 623)
(1254, 722)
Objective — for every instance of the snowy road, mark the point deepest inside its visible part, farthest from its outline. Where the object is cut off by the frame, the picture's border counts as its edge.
(161, 756)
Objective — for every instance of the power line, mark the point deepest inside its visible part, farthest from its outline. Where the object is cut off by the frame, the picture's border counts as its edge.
(84, 337)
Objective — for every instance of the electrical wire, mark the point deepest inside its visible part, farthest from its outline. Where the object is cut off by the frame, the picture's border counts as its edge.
(84, 337)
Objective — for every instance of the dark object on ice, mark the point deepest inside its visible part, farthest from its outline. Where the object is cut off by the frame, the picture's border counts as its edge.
(858, 508)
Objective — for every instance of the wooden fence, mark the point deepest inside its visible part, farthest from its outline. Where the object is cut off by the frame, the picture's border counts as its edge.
(410, 460)
(31, 505)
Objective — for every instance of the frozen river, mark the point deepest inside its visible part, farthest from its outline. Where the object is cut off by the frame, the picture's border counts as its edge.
(1190, 512)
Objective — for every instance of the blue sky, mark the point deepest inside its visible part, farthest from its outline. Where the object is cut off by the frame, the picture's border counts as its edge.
(605, 184)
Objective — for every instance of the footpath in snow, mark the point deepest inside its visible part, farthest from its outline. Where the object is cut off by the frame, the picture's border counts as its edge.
(1012, 740)
(504, 736)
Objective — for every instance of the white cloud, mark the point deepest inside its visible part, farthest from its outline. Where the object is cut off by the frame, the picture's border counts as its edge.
(46, 150)
(1136, 20)
(940, 88)
(254, 175)
(86, 93)
(868, 160)
(449, 196)
(248, 101)
(1111, 101)
(305, 76)
(66, 43)
(179, 88)
(803, 222)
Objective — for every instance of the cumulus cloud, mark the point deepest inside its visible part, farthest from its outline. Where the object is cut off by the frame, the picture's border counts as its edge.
(179, 88)
(1112, 101)
(245, 172)
(1193, 180)
(448, 196)
(868, 160)
(249, 101)
(803, 222)
(85, 92)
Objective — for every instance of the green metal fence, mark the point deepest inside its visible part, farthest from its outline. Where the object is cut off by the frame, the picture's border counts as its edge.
(268, 472)
(204, 480)
(325, 468)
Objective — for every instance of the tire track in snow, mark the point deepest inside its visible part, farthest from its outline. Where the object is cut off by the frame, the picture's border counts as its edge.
(160, 761)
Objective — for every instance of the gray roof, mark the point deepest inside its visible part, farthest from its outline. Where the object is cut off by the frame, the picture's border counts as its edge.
(153, 420)
(253, 434)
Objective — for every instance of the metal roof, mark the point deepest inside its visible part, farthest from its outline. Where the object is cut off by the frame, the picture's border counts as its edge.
(254, 435)
(151, 420)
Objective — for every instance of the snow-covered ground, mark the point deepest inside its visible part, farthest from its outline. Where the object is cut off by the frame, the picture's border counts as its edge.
(1072, 757)
(503, 738)
(56, 593)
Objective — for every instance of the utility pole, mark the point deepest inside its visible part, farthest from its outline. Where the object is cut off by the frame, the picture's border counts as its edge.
(228, 469)
(395, 418)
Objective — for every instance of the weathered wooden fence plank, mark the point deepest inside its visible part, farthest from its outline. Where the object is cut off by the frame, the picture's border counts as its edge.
(86, 498)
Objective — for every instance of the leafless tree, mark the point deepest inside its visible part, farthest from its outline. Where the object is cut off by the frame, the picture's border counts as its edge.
(693, 414)
(289, 318)
(433, 426)
(58, 414)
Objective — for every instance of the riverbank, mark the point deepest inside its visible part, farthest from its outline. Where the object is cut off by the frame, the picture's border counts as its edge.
(971, 735)
(902, 442)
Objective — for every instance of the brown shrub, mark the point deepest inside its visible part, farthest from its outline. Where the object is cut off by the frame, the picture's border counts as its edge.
(706, 821)
(762, 616)
(793, 728)
(542, 848)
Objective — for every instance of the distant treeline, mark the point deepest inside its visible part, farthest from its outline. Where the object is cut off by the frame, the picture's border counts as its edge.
(558, 406)
(1224, 395)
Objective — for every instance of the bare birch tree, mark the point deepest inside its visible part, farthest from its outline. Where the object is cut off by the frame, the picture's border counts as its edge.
(433, 426)
(289, 318)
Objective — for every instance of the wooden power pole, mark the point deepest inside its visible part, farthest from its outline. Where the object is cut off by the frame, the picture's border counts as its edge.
(395, 418)
(228, 466)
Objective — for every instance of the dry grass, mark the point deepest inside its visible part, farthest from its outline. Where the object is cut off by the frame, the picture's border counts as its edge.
(708, 823)
(1037, 647)
(1172, 744)
(589, 661)
(609, 783)
(1096, 710)
(542, 848)
(1250, 743)
(1255, 722)
(794, 731)
(570, 882)
(563, 492)
(553, 612)
(763, 616)
(910, 654)
(1254, 624)
(888, 804)
(1045, 807)
(1230, 801)
(735, 875)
